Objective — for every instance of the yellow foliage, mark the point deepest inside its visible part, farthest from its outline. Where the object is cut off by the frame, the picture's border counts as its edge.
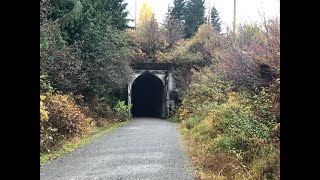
(208, 122)
(183, 113)
(42, 97)
(66, 120)
(44, 115)
(162, 57)
(145, 13)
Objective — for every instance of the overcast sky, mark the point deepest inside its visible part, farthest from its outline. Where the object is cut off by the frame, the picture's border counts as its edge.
(247, 10)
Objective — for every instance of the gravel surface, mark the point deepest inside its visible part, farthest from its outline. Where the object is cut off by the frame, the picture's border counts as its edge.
(145, 148)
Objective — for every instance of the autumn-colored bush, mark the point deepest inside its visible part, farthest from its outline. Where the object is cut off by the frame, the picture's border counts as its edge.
(242, 70)
(66, 115)
(180, 54)
(262, 44)
(101, 109)
(199, 49)
(44, 114)
(147, 37)
(251, 60)
(254, 58)
(236, 128)
(46, 131)
(65, 121)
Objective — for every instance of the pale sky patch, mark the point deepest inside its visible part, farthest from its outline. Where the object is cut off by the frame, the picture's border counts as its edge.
(247, 10)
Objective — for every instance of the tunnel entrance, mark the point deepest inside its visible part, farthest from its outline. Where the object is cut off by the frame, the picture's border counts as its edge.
(147, 96)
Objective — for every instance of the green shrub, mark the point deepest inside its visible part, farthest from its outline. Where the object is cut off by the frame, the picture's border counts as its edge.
(193, 121)
(226, 143)
(262, 107)
(205, 92)
(123, 111)
(45, 85)
(237, 118)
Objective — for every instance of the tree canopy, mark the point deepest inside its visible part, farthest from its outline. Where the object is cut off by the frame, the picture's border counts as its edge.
(215, 19)
(178, 9)
(83, 48)
(145, 13)
(193, 16)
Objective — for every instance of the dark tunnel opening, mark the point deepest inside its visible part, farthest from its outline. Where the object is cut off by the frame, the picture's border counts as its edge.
(147, 96)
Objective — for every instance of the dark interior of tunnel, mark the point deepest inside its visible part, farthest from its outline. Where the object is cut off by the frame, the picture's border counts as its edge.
(147, 96)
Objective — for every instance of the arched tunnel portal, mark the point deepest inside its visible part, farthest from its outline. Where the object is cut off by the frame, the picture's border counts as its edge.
(147, 96)
(149, 93)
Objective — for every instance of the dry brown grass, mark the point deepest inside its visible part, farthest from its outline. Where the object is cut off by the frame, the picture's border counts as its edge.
(261, 161)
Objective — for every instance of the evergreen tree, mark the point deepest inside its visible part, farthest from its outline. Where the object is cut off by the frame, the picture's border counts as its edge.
(215, 19)
(117, 12)
(75, 16)
(173, 29)
(177, 10)
(194, 16)
(83, 48)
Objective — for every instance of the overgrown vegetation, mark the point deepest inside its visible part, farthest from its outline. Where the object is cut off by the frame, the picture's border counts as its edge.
(227, 90)
(230, 134)
(85, 54)
(227, 87)
(229, 113)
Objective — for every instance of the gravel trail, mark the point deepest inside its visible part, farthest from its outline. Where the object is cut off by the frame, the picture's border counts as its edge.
(145, 148)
